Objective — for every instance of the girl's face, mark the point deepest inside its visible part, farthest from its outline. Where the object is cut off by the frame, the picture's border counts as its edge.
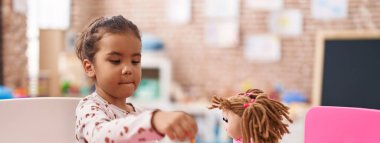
(116, 67)
(232, 124)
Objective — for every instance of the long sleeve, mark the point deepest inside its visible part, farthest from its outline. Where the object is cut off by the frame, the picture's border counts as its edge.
(98, 125)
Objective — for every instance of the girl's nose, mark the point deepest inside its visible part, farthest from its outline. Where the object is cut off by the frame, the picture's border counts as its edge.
(126, 70)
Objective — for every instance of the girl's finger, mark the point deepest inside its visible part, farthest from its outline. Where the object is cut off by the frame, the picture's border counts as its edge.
(179, 132)
(191, 126)
(170, 132)
(188, 132)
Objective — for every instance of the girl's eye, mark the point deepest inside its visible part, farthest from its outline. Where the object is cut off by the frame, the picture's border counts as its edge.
(115, 61)
(135, 62)
(225, 120)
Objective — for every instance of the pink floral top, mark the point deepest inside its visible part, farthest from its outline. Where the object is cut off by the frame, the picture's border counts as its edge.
(98, 121)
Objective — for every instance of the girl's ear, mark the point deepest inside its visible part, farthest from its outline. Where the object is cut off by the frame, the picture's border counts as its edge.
(89, 68)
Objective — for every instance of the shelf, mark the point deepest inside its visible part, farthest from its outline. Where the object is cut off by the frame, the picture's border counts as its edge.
(154, 69)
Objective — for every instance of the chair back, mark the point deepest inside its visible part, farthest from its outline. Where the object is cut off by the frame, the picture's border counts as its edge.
(326, 124)
(38, 120)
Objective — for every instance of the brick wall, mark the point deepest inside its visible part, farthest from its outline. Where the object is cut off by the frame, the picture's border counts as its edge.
(207, 69)
(14, 46)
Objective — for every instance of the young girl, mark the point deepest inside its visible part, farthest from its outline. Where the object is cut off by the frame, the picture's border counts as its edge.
(252, 117)
(110, 51)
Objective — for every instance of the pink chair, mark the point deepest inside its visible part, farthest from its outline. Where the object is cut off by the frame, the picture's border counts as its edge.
(326, 124)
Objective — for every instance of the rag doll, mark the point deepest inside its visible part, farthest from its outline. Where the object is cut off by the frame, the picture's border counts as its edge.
(252, 117)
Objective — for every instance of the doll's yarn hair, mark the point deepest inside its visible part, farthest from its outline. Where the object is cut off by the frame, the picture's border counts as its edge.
(262, 117)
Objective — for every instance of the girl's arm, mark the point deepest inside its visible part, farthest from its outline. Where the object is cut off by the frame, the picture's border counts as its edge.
(96, 126)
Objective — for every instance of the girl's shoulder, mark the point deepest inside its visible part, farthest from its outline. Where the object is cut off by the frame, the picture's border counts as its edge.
(93, 98)
(90, 102)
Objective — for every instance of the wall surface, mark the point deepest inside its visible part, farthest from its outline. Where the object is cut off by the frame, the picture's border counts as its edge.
(14, 46)
(206, 69)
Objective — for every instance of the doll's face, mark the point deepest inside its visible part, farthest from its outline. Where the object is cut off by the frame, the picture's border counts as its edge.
(231, 123)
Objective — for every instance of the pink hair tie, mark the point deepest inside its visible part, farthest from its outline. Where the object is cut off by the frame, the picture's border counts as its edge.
(246, 105)
(249, 103)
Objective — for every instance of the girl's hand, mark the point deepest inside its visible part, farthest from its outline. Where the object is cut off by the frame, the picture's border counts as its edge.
(176, 125)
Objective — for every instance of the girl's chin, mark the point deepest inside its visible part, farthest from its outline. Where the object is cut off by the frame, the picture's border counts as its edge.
(123, 95)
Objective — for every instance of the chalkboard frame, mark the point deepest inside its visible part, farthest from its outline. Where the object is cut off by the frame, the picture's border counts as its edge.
(321, 38)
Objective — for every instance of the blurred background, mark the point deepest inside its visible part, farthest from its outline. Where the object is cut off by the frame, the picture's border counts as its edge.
(192, 50)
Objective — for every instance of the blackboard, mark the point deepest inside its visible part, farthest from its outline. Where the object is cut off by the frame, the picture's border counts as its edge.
(348, 64)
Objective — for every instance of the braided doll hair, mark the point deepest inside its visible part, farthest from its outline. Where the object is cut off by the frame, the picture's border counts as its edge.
(261, 117)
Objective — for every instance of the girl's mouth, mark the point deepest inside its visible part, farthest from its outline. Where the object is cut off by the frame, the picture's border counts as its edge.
(126, 82)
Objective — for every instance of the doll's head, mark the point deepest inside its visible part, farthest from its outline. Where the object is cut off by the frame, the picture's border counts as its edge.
(252, 116)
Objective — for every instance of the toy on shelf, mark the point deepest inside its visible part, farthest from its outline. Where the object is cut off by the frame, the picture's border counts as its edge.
(5, 93)
(252, 117)
(20, 93)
